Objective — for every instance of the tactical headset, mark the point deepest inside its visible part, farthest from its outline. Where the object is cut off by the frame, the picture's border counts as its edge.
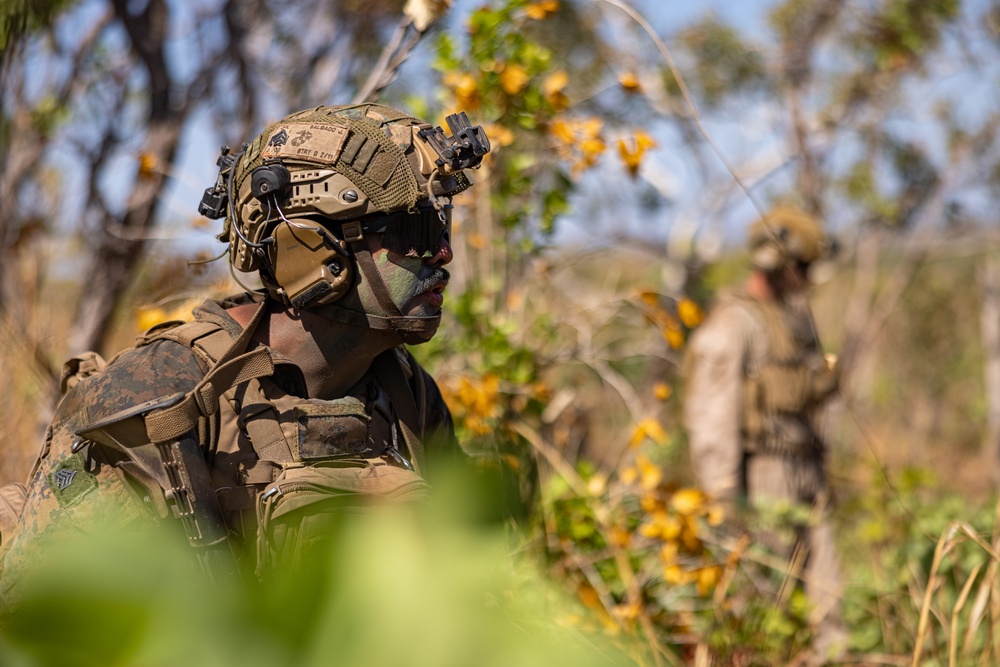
(311, 265)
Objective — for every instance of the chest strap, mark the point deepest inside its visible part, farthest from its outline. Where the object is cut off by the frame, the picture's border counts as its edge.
(258, 418)
(390, 375)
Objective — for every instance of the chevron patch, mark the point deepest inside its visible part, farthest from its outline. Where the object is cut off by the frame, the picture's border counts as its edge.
(70, 481)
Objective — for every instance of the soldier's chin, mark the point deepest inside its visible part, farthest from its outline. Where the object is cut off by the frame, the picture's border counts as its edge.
(417, 337)
(419, 330)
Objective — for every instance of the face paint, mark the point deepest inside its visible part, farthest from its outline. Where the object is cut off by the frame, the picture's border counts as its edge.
(414, 286)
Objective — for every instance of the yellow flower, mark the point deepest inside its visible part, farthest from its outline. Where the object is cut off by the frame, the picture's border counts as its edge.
(716, 515)
(689, 533)
(148, 165)
(580, 141)
(706, 578)
(513, 79)
(632, 150)
(648, 428)
(498, 134)
(553, 88)
(690, 313)
(542, 9)
(674, 338)
(628, 475)
(673, 574)
(688, 501)
(650, 503)
(650, 529)
(670, 527)
(592, 149)
(662, 391)
(555, 82)
(630, 82)
(465, 87)
(650, 474)
(562, 131)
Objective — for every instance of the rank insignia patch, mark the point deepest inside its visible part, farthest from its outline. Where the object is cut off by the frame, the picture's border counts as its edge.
(70, 481)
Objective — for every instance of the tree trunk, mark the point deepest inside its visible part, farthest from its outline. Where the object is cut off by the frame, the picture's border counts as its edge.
(122, 244)
(989, 328)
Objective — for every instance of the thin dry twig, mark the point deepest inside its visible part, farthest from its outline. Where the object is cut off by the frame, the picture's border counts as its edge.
(959, 605)
(955, 534)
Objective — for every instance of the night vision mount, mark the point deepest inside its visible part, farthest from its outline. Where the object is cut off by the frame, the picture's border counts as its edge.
(463, 150)
(216, 198)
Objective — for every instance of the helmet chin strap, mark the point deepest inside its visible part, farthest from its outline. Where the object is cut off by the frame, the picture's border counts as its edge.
(412, 329)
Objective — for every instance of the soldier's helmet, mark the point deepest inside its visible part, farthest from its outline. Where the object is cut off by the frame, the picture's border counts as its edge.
(786, 236)
(299, 198)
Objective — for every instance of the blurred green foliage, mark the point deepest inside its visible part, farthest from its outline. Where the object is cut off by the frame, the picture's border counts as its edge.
(889, 548)
(21, 17)
(437, 587)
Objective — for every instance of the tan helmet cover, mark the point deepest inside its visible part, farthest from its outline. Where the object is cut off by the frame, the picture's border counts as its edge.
(786, 235)
(345, 162)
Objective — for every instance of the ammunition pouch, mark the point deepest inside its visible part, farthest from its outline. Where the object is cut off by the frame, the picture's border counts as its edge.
(297, 513)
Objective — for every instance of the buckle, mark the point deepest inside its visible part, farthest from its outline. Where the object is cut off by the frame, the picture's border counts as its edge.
(352, 231)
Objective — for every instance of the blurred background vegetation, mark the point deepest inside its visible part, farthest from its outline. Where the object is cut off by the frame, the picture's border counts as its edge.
(633, 143)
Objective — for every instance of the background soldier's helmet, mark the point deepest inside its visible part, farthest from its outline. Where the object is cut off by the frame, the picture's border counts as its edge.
(786, 236)
(301, 195)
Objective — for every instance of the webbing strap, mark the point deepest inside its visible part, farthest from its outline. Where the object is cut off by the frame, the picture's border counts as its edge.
(372, 276)
(390, 375)
(215, 345)
(260, 419)
(173, 422)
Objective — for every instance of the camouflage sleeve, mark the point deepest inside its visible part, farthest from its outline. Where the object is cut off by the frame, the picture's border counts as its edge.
(70, 489)
(713, 401)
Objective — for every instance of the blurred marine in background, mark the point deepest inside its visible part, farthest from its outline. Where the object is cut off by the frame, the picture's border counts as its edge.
(756, 378)
(249, 423)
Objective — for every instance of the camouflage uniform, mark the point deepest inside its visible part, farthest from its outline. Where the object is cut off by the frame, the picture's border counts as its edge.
(756, 379)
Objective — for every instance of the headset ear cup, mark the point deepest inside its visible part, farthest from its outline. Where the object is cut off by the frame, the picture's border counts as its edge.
(307, 268)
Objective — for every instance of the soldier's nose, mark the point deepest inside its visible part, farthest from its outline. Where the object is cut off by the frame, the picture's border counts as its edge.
(444, 253)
